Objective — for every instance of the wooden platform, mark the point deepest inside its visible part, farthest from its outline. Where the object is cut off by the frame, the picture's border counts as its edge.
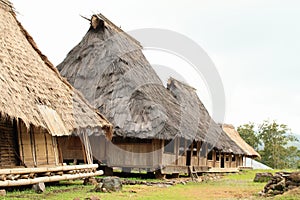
(28, 176)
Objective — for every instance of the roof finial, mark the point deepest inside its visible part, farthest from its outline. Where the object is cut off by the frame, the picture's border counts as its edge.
(96, 22)
(85, 18)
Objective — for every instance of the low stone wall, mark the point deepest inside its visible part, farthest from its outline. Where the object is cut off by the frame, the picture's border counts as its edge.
(280, 183)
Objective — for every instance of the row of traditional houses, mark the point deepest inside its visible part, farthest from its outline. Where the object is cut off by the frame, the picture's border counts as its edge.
(113, 109)
(166, 130)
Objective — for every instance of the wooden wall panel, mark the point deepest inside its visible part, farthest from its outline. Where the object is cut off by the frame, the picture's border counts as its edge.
(27, 147)
(194, 161)
(169, 159)
(130, 155)
(202, 161)
(157, 152)
(181, 161)
(51, 148)
(210, 163)
(71, 148)
(41, 152)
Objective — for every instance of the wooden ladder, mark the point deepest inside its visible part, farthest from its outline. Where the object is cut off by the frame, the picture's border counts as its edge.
(193, 174)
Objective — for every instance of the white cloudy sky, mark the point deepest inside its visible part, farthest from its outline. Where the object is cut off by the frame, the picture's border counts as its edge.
(254, 44)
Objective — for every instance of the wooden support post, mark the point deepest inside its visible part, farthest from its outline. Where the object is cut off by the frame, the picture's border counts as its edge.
(83, 152)
(46, 146)
(177, 149)
(161, 151)
(20, 141)
(206, 153)
(198, 152)
(32, 141)
(185, 144)
(55, 150)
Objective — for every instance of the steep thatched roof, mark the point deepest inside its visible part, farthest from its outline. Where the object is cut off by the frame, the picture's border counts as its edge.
(235, 136)
(196, 121)
(109, 68)
(31, 88)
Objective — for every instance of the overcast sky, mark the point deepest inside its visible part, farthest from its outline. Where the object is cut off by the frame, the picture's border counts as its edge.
(254, 44)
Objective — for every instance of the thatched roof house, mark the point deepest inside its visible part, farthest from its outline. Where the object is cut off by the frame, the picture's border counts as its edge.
(109, 68)
(37, 104)
(235, 136)
(33, 90)
(204, 127)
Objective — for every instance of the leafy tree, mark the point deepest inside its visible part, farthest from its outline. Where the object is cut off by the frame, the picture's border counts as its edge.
(247, 132)
(275, 137)
(271, 141)
(292, 157)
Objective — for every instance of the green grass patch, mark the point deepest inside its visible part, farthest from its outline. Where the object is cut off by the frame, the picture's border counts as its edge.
(231, 186)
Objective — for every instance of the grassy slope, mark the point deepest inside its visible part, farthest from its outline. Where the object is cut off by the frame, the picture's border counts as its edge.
(234, 186)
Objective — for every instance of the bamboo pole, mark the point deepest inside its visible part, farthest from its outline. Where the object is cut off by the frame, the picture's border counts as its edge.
(9, 183)
(47, 169)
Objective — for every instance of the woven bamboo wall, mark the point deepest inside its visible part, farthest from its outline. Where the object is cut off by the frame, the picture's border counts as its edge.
(8, 142)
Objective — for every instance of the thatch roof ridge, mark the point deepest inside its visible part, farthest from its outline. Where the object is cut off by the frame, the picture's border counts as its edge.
(7, 3)
(105, 19)
(40, 103)
(186, 85)
(227, 126)
(109, 68)
(207, 129)
(235, 136)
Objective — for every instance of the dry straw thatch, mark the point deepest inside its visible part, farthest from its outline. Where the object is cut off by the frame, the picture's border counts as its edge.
(197, 123)
(109, 68)
(235, 136)
(33, 90)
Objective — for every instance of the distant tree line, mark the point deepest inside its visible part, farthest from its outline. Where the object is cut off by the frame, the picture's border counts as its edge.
(272, 141)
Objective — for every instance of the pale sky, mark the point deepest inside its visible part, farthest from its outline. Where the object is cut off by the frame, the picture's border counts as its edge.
(253, 43)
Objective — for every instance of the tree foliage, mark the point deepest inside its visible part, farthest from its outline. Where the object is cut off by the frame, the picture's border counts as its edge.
(274, 139)
(247, 132)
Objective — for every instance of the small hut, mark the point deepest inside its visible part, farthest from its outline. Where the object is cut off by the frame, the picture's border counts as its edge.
(151, 130)
(235, 136)
(39, 112)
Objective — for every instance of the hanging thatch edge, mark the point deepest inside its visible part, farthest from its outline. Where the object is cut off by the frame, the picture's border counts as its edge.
(107, 126)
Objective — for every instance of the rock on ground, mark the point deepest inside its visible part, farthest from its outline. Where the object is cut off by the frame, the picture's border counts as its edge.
(109, 184)
(2, 193)
(263, 177)
(39, 187)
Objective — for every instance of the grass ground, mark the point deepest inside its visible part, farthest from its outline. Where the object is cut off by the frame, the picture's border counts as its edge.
(233, 186)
